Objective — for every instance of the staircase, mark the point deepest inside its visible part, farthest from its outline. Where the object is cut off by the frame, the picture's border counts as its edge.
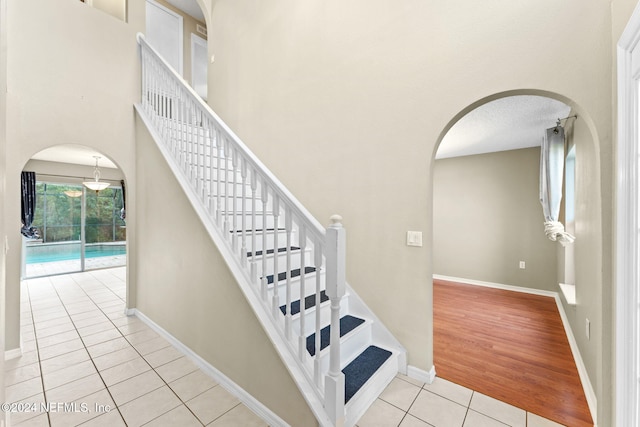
(289, 267)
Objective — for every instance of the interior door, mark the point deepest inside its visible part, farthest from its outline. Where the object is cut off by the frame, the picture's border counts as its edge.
(164, 33)
(199, 65)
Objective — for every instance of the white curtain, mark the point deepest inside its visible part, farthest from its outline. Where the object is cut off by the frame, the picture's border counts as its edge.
(551, 175)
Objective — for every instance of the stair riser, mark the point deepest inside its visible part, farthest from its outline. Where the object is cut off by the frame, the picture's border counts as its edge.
(279, 240)
(282, 262)
(351, 346)
(252, 223)
(325, 316)
(309, 285)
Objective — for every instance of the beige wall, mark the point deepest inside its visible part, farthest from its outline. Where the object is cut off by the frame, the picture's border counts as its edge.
(194, 296)
(487, 218)
(3, 143)
(346, 103)
(115, 8)
(62, 90)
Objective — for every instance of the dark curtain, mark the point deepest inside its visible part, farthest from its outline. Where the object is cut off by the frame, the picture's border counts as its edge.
(123, 211)
(28, 204)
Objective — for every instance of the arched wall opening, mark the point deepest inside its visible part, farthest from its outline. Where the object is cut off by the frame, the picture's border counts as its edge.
(544, 270)
(72, 228)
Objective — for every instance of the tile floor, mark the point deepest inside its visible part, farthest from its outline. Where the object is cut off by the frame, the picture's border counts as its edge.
(89, 364)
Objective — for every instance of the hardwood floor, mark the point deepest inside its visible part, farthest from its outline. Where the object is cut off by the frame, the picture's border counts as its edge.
(508, 345)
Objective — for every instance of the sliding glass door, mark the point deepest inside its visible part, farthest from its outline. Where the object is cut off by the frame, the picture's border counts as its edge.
(78, 230)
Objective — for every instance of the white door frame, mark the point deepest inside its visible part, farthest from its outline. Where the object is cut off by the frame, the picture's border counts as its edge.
(180, 32)
(627, 311)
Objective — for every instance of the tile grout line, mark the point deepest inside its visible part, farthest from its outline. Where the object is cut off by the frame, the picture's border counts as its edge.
(141, 356)
(44, 394)
(85, 346)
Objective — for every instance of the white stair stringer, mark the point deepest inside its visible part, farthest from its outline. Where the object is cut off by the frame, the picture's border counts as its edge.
(233, 193)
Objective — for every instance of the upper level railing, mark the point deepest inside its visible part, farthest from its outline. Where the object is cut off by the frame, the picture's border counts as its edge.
(264, 229)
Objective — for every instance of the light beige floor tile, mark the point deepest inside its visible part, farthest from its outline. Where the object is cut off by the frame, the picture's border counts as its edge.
(132, 327)
(476, 419)
(239, 416)
(67, 375)
(40, 420)
(22, 373)
(534, 420)
(43, 333)
(29, 346)
(58, 338)
(410, 380)
(32, 409)
(109, 419)
(381, 414)
(437, 410)
(451, 391)
(95, 328)
(23, 390)
(149, 406)
(58, 349)
(108, 347)
(163, 356)
(411, 421)
(117, 357)
(100, 337)
(212, 404)
(192, 384)
(176, 369)
(400, 393)
(498, 410)
(76, 390)
(64, 361)
(125, 320)
(82, 410)
(180, 416)
(85, 320)
(124, 371)
(141, 336)
(152, 345)
(26, 358)
(135, 387)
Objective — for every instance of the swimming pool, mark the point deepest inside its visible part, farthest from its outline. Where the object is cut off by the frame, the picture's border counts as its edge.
(64, 251)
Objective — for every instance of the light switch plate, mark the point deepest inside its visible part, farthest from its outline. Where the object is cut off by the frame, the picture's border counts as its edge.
(414, 238)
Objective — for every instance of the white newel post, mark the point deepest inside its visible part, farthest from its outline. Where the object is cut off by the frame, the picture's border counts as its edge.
(335, 288)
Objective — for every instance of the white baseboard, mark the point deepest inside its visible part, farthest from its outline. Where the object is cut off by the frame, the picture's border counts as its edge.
(496, 285)
(258, 408)
(421, 374)
(13, 353)
(589, 392)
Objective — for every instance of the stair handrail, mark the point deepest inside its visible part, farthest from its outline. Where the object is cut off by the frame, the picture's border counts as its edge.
(158, 101)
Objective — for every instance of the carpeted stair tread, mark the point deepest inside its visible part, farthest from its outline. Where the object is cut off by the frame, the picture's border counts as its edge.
(362, 368)
(347, 324)
(270, 251)
(257, 230)
(294, 273)
(309, 302)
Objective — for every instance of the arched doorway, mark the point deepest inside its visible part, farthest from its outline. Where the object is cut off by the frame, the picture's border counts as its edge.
(72, 228)
(493, 213)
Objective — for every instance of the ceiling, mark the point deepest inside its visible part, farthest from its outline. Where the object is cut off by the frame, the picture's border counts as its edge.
(190, 7)
(504, 124)
(74, 154)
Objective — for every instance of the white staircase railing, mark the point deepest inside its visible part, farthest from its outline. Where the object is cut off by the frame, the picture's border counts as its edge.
(250, 210)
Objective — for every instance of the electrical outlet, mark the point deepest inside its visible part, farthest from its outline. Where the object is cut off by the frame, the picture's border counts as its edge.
(522, 265)
(588, 329)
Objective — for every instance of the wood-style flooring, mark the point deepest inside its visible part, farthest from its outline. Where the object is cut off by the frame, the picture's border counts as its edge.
(511, 346)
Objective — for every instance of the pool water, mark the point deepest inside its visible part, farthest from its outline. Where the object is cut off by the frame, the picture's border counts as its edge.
(67, 253)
